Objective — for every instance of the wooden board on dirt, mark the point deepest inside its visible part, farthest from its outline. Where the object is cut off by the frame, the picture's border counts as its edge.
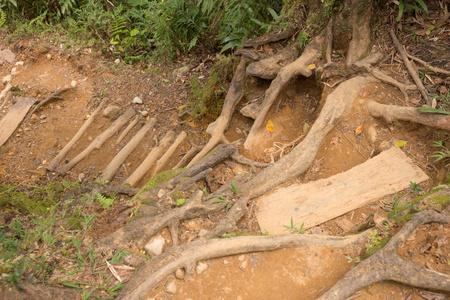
(316, 202)
(14, 117)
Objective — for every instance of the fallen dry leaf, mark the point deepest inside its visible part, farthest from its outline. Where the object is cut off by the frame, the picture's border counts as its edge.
(334, 140)
(365, 94)
(421, 32)
(359, 129)
(443, 89)
(311, 67)
(415, 101)
(425, 247)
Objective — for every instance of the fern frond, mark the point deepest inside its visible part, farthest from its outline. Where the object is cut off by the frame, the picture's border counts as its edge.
(2, 18)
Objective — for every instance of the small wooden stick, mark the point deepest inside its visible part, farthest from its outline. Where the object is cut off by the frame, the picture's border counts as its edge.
(148, 162)
(54, 96)
(433, 69)
(55, 162)
(99, 140)
(113, 271)
(163, 160)
(118, 160)
(410, 68)
(129, 127)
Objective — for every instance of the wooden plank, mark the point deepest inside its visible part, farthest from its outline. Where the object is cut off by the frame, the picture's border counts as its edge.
(316, 202)
(14, 117)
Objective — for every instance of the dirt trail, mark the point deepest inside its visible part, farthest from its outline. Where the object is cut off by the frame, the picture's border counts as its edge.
(281, 274)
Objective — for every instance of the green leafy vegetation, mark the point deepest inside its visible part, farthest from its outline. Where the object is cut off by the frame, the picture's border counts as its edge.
(404, 5)
(293, 227)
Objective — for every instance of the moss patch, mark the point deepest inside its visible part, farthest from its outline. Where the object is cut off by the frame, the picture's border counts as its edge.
(159, 179)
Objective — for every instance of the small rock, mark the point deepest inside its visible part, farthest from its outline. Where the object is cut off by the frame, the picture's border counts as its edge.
(49, 56)
(111, 111)
(90, 139)
(241, 258)
(7, 78)
(344, 224)
(137, 100)
(43, 117)
(225, 262)
(156, 245)
(193, 225)
(13, 70)
(243, 265)
(73, 83)
(44, 162)
(179, 274)
(6, 56)
(19, 63)
(34, 117)
(161, 193)
(201, 267)
(81, 177)
(203, 232)
(171, 287)
(117, 62)
(144, 113)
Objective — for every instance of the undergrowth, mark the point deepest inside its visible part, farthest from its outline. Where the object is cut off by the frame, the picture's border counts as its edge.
(44, 238)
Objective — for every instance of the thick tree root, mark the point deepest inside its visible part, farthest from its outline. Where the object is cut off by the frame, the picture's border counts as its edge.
(186, 256)
(385, 264)
(135, 234)
(392, 112)
(217, 129)
(55, 162)
(299, 67)
(188, 157)
(3, 94)
(259, 41)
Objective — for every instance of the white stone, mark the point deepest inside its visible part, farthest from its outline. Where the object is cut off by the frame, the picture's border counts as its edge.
(241, 258)
(161, 193)
(243, 265)
(7, 78)
(117, 61)
(156, 245)
(203, 232)
(201, 267)
(171, 287)
(179, 274)
(137, 100)
(19, 63)
(73, 83)
(49, 56)
(144, 113)
(13, 71)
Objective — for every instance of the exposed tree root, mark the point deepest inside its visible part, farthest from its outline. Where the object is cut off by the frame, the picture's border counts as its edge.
(217, 129)
(329, 41)
(392, 112)
(428, 66)
(109, 172)
(269, 67)
(411, 69)
(385, 264)
(186, 256)
(221, 153)
(259, 41)
(360, 22)
(99, 141)
(55, 162)
(299, 67)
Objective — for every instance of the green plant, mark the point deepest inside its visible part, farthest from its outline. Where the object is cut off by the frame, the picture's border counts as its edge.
(402, 6)
(221, 199)
(374, 239)
(444, 154)
(303, 40)
(118, 256)
(180, 202)
(104, 201)
(233, 187)
(293, 227)
(353, 261)
(432, 110)
(395, 204)
(415, 188)
(115, 288)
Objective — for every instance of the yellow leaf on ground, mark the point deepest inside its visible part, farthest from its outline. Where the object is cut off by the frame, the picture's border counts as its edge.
(400, 143)
(311, 67)
(269, 126)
